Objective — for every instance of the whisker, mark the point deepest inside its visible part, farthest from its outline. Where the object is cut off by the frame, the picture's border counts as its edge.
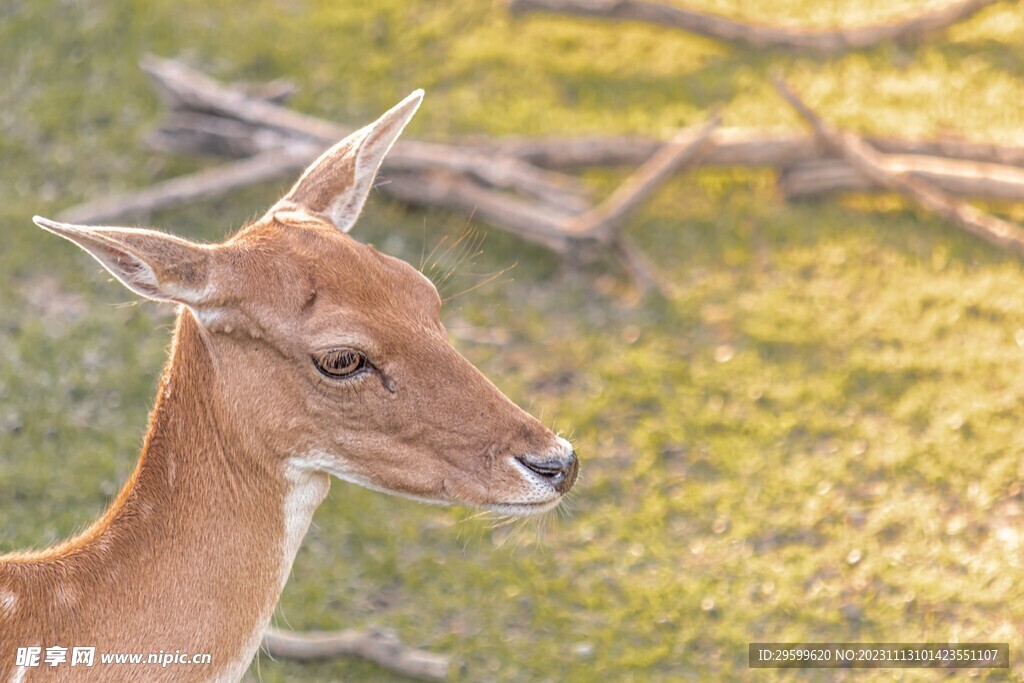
(502, 541)
(423, 246)
(468, 251)
(568, 505)
(518, 532)
(437, 246)
(478, 285)
(503, 521)
(466, 232)
(477, 515)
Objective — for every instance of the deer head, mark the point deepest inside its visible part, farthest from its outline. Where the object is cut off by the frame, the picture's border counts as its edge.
(330, 356)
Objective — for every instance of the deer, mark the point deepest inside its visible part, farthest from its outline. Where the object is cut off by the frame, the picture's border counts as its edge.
(298, 354)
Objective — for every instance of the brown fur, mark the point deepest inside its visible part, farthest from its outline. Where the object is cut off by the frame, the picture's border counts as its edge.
(179, 560)
(189, 556)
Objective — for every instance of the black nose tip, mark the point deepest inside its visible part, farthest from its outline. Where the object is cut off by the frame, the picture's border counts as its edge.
(560, 472)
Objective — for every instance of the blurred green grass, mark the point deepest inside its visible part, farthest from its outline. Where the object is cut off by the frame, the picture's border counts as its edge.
(816, 437)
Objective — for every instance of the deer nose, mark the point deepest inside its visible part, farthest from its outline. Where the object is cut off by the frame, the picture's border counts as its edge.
(559, 471)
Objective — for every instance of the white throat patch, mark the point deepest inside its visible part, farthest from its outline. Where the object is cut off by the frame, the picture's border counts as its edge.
(306, 490)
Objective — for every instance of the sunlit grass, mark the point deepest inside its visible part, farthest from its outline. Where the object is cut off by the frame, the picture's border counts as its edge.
(816, 436)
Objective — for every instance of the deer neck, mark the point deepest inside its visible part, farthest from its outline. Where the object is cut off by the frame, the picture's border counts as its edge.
(196, 549)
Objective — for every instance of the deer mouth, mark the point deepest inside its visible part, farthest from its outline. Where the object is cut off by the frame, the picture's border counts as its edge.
(548, 478)
(559, 474)
(553, 471)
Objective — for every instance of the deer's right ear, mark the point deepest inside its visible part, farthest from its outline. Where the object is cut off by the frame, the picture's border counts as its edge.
(154, 264)
(335, 186)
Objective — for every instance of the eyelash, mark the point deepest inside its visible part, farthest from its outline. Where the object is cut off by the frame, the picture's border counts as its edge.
(343, 358)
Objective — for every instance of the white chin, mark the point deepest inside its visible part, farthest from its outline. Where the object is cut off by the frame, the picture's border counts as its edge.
(524, 509)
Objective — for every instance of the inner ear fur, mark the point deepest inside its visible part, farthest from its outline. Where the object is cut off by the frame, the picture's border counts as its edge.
(336, 185)
(153, 264)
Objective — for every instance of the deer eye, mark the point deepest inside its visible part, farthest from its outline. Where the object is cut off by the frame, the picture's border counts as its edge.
(340, 363)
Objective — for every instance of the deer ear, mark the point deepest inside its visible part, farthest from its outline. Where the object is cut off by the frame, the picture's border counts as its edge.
(154, 264)
(335, 186)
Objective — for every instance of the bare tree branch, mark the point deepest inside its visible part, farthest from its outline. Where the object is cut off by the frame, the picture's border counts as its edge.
(506, 183)
(732, 147)
(553, 211)
(185, 89)
(640, 269)
(685, 149)
(186, 132)
(961, 178)
(873, 165)
(827, 42)
(206, 184)
(561, 233)
(526, 219)
(382, 648)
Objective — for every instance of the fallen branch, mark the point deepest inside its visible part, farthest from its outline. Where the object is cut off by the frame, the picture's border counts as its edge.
(952, 149)
(381, 648)
(558, 232)
(640, 269)
(206, 184)
(873, 165)
(826, 42)
(525, 219)
(604, 222)
(235, 125)
(733, 147)
(518, 185)
(960, 178)
(807, 169)
(185, 89)
(544, 206)
(185, 132)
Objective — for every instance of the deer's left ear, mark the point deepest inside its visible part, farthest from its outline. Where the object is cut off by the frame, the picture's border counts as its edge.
(335, 186)
(154, 264)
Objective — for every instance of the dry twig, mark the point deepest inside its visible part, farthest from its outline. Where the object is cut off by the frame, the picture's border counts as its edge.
(563, 233)
(538, 204)
(874, 166)
(188, 90)
(733, 147)
(382, 648)
(685, 149)
(518, 185)
(205, 184)
(960, 178)
(827, 42)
